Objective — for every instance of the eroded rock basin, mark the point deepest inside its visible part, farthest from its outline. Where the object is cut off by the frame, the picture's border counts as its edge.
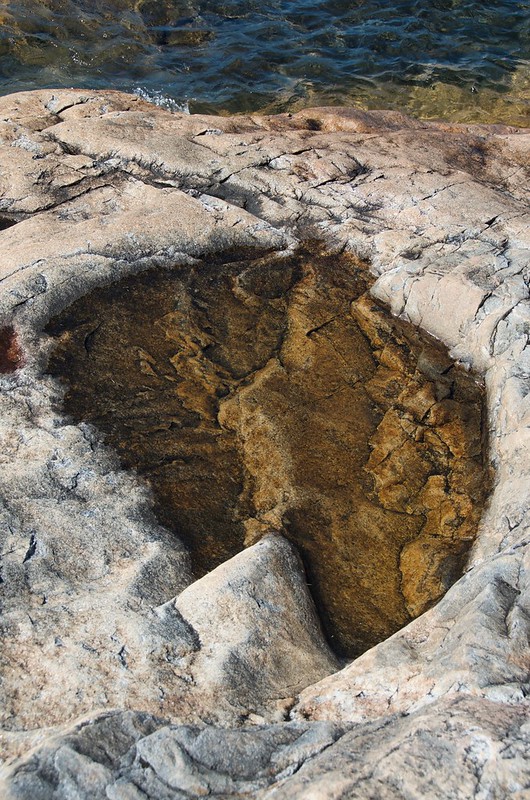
(259, 394)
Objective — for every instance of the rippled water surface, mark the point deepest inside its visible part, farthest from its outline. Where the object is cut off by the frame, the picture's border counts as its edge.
(454, 58)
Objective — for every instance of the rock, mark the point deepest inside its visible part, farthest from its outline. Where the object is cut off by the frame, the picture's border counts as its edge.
(269, 393)
(95, 187)
(403, 756)
(473, 642)
(258, 630)
(457, 749)
(129, 755)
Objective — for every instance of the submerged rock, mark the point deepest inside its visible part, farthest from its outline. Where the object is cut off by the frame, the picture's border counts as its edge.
(265, 394)
(96, 187)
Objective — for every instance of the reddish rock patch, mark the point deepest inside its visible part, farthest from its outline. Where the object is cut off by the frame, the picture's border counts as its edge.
(11, 355)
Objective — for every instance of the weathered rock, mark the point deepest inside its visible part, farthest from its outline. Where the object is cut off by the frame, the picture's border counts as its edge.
(459, 749)
(127, 756)
(95, 187)
(258, 630)
(455, 750)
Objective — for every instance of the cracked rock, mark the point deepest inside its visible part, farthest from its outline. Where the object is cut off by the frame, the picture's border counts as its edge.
(100, 187)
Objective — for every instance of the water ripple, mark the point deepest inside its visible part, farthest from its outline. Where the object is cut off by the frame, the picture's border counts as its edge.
(458, 58)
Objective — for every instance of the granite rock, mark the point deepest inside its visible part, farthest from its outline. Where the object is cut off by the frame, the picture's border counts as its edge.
(126, 755)
(258, 630)
(98, 186)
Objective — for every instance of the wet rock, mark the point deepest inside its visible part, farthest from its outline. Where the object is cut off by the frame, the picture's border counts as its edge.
(264, 394)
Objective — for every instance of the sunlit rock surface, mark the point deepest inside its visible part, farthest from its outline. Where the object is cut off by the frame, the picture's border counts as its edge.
(95, 188)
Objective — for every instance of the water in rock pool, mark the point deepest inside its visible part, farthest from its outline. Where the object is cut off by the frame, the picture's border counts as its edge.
(457, 59)
(259, 395)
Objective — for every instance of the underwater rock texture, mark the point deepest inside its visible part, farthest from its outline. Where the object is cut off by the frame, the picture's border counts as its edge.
(98, 187)
(268, 394)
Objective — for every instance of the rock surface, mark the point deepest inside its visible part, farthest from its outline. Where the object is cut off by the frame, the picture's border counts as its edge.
(129, 755)
(97, 187)
(258, 631)
(459, 749)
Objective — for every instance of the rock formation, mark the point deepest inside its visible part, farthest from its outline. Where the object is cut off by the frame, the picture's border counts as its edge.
(122, 676)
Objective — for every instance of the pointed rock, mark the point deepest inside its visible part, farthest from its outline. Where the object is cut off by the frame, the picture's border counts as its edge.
(260, 637)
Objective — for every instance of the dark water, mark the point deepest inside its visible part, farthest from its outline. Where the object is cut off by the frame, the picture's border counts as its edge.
(455, 58)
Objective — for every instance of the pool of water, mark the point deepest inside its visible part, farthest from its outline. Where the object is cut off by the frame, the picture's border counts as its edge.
(254, 396)
(459, 59)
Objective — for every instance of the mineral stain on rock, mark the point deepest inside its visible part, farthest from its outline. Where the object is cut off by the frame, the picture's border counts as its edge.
(11, 355)
(258, 393)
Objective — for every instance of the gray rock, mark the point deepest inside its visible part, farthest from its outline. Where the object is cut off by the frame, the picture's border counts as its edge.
(259, 634)
(455, 750)
(95, 186)
(126, 755)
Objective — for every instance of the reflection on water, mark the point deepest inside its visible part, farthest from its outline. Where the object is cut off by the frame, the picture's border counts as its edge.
(456, 58)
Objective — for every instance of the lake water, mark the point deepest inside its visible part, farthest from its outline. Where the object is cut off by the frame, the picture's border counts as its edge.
(453, 58)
